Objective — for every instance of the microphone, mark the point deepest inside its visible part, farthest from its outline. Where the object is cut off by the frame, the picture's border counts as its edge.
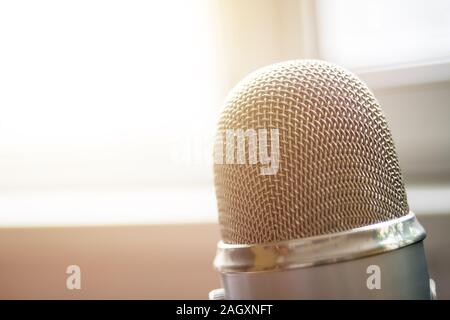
(310, 195)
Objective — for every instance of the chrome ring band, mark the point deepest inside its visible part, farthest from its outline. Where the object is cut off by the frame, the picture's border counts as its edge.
(336, 247)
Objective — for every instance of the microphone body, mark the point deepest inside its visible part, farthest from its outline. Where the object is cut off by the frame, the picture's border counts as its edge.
(362, 264)
(310, 195)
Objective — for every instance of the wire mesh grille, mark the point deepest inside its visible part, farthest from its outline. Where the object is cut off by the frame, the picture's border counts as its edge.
(338, 168)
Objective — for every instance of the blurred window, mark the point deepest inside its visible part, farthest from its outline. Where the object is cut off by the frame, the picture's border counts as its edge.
(101, 93)
(379, 33)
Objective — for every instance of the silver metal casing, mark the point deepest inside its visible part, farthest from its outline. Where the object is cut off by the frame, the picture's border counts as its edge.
(380, 261)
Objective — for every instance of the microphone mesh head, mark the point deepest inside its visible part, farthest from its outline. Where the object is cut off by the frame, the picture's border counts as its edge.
(338, 168)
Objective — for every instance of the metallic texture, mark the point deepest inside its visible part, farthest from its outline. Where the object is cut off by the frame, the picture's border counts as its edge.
(217, 294)
(402, 274)
(338, 169)
(319, 250)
